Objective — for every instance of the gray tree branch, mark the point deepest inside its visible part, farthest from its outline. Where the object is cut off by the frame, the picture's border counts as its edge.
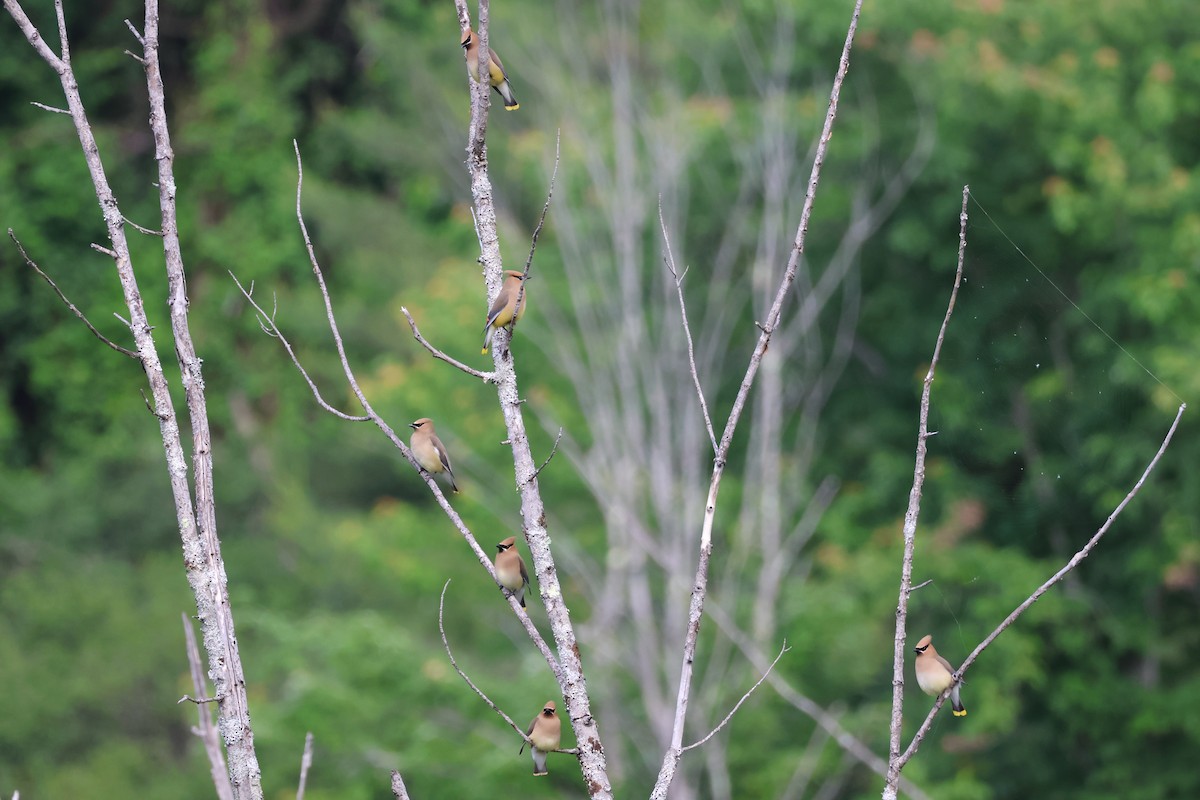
(700, 590)
(197, 523)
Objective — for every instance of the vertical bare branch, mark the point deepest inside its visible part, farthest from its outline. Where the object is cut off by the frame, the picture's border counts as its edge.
(398, 789)
(700, 586)
(913, 513)
(205, 728)
(197, 524)
(687, 330)
(209, 573)
(305, 763)
(572, 681)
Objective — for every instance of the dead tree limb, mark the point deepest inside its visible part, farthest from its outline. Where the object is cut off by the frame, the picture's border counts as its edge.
(197, 523)
(700, 585)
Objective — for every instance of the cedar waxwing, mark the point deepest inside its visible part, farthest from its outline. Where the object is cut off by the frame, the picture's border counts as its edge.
(496, 74)
(510, 569)
(545, 732)
(934, 674)
(429, 451)
(505, 309)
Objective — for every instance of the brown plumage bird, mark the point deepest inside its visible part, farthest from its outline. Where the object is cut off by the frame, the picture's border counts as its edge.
(934, 674)
(510, 569)
(496, 74)
(506, 309)
(545, 732)
(429, 451)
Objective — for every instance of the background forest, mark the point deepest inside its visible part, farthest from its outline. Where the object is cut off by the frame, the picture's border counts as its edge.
(1077, 125)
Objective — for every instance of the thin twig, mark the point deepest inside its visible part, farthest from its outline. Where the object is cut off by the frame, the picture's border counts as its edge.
(553, 450)
(486, 377)
(135, 33)
(920, 585)
(687, 331)
(267, 323)
(541, 221)
(45, 107)
(149, 407)
(913, 513)
(139, 228)
(305, 763)
(136, 57)
(738, 705)
(476, 689)
(108, 251)
(187, 698)
(1075, 561)
(205, 729)
(69, 304)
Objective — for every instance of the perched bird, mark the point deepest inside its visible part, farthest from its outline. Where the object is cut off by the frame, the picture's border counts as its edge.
(429, 451)
(506, 309)
(934, 674)
(545, 732)
(510, 569)
(496, 74)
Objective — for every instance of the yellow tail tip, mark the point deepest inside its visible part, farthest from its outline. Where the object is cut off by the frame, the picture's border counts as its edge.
(483, 352)
(962, 713)
(513, 107)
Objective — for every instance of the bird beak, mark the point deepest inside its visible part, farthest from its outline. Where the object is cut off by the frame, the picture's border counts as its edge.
(412, 425)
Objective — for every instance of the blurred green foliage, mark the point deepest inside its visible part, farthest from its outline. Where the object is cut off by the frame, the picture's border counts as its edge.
(1075, 125)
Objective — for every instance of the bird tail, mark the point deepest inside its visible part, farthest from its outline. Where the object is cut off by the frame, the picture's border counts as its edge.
(510, 100)
(956, 705)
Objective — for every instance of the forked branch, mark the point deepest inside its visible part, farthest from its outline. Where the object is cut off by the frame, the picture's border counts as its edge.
(699, 592)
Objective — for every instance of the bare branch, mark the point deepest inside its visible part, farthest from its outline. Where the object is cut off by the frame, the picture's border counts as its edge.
(476, 689)
(486, 377)
(553, 662)
(700, 590)
(202, 551)
(920, 585)
(149, 407)
(205, 728)
(913, 513)
(267, 323)
(68, 303)
(187, 698)
(45, 107)
(553, 450)
(687, 331)
(305, 763)
(851, 744)
(108, 251)
(783, 649)
(197, 523)
(1075, 561)
(135, 57)
(571, 678)
(541, 221)
(139, 228)
(135, 33)
(399, 791)
(463, 675)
